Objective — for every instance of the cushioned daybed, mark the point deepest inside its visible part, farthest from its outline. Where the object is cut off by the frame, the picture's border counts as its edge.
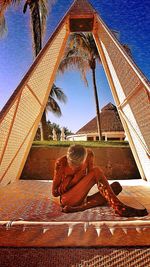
(31, 217)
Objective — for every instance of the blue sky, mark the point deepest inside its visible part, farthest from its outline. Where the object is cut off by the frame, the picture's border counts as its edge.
(130, 18)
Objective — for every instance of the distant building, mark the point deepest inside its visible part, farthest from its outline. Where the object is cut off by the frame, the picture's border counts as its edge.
(111, 126)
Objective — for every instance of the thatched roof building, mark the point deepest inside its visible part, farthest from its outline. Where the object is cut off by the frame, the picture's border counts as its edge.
(111, 126)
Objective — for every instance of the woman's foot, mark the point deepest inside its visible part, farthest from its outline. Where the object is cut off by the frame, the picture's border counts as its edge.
(68, 209)
(116, 187)
(127, 211)
(82, 207)
(124, 211)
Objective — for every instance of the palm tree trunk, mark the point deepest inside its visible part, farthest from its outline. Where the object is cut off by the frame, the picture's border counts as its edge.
(36, 26)
(44, 130)
(97, 105)
(37, 42)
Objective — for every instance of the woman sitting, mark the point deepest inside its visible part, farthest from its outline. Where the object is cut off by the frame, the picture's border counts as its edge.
(74, 176)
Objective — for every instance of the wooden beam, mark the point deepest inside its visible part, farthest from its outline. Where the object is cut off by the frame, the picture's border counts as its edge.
(140, 140)
(30, 89)
(37, 120)
(129, 60)
(45, 99)
(10, 129)
(113, 89)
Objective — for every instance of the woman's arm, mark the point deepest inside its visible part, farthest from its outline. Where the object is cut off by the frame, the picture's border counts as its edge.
(90, 160)
(57, 178)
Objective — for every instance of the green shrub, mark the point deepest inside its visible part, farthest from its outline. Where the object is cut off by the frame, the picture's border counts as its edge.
(84, 143)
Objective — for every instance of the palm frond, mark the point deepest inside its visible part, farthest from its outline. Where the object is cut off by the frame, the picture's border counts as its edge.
(58, 93)
(80, 53)
(83, 76)
(43, 10)
(45, 7)
(80, 42)
(85, 43)
(25, 7)
(127, 49)
(51, 3)
(73, 62)
(3, 27)
(53, 106)
(7, 3)
(4, 5)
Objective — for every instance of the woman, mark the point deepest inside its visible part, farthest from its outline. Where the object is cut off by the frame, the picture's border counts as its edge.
(75, 175)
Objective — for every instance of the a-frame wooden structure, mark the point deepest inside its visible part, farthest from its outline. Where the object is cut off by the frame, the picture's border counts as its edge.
(21, 115)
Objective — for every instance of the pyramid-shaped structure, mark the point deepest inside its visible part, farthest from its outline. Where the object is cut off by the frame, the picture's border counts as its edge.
(110, 121)
(21, 115)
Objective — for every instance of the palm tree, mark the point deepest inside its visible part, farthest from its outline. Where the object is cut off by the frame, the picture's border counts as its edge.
(38, 14)
(81, 53)
(52, 106)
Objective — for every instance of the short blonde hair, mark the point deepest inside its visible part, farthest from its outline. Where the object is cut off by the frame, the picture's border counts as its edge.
(76, 154)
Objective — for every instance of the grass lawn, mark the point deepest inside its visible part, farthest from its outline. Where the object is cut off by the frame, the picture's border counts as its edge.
(84, 143)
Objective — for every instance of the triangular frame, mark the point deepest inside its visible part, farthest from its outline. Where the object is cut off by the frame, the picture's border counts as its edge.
(21, 115)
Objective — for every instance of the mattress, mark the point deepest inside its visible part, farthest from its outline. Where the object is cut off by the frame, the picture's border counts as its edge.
(31, 216)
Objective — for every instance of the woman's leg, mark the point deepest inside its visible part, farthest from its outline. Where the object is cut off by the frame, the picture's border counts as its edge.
(73, 198)
(77, 194)
(95, 200)
(120, 208)
(98, 199)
